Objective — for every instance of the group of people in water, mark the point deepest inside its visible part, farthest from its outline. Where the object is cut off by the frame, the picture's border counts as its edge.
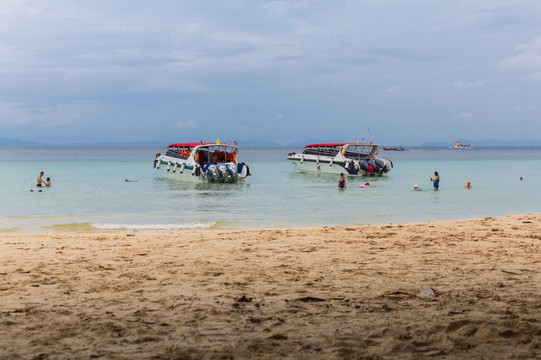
(435, 180)
(41, 182)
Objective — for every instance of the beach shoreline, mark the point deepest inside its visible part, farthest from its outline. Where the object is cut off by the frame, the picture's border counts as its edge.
(316, 292)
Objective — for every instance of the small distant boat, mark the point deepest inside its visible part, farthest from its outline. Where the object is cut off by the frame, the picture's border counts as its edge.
(393, 148)
(354, 159)
(459, 145)
(202, 162)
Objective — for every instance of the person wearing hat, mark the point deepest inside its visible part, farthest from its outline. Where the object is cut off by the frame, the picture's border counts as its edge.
(416, 187)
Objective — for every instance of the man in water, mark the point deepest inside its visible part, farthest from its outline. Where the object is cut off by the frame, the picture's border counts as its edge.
(40, 179)
(468, 185)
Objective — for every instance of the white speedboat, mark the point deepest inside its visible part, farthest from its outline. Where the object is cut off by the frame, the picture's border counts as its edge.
(357, 159)
(459, 145)
(200, 162)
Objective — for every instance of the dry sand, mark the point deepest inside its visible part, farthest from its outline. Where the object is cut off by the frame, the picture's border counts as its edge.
(347, 292)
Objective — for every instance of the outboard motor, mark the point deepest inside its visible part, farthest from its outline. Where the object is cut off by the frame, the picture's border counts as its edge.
(387, 165)
(212, 173)
(381, 165)
(372, 166)
(232, 172)
(222, 171)
(363, 164)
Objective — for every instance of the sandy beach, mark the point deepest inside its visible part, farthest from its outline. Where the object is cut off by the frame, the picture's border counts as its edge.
(332, 292)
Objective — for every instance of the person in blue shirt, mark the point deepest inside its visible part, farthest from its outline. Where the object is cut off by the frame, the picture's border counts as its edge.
(212, 161)
(436, 180)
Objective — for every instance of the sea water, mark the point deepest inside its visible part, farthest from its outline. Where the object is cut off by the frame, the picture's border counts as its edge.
(89, 190)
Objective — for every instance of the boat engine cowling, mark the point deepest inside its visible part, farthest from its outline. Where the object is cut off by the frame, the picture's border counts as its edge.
(363, 164)
(387, 165)
(381, 165)
(232, 171)
(212, 173)
(374, 167)
(222, 171)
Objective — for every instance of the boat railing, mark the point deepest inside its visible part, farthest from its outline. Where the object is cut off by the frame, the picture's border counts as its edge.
(333, 153)
(321, 151)
(357, 156)
(175, 154)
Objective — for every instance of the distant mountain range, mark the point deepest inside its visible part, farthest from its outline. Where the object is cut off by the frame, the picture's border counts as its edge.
(6, 141)
(258, 142)
(15, 142)
(488, 142)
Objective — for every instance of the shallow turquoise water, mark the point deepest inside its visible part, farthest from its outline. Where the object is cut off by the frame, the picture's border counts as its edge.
(90, 192)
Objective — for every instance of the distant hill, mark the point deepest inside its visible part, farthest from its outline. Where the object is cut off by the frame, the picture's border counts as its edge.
(257, 142)
(487, 142)
(14, 142)
(312, 141)
(7, 141)
(491, 142)
(434, 143)
(126, 143)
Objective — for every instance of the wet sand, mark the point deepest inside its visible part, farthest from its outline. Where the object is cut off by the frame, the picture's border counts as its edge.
(349, 292)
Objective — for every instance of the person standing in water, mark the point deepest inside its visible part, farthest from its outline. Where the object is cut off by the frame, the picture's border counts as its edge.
(40, 179)
(341, 182)
(436, 180)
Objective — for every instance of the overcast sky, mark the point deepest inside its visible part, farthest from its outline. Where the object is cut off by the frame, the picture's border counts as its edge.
(411, 71)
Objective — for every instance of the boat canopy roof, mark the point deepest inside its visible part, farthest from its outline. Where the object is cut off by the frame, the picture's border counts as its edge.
(227, 148)
(352, 150)
(336, 144)
(185, 144)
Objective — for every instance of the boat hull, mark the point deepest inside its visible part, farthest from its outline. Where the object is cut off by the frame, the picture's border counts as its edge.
(192, 172)
(354, 159)
(325, 165)
(188, 174)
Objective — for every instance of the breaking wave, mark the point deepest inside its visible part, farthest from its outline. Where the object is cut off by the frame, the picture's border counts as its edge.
(153, 226)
